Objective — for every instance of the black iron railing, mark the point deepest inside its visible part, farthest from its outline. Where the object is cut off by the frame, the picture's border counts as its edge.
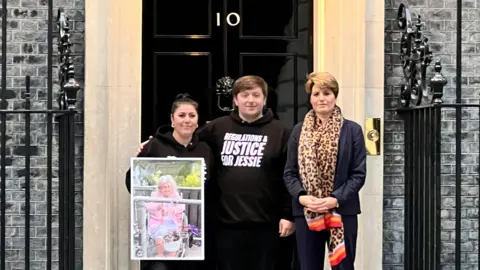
(422, 187)
(422, 181)
(24, 151)
(434, 161)
(427, 147)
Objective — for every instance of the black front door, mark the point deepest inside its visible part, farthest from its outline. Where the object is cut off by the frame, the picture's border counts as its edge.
(189, 45)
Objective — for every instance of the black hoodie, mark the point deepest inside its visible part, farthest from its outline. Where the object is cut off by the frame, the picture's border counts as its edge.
(251, 160)
(164, 145)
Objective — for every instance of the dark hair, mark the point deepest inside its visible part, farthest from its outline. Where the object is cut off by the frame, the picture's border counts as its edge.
(183, 99)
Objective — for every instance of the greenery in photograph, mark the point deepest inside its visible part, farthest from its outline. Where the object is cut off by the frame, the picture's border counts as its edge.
(187, 174)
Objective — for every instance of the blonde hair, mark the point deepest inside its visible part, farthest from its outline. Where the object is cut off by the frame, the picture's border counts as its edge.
(322, 79)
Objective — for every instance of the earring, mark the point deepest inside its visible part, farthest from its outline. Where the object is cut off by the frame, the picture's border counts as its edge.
(173, 125)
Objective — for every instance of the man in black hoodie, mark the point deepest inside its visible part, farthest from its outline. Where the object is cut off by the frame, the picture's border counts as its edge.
(254, 207)
(253, 211)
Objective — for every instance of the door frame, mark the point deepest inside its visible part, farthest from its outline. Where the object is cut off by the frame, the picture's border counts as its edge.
(148, 28)
(113, 56)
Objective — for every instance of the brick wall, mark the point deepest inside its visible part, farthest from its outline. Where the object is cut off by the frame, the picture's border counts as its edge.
(27, 54)
(440, 18)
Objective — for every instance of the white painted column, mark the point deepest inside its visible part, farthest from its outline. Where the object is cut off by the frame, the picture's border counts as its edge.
(349, 44)
(113, 40)
(371, 240)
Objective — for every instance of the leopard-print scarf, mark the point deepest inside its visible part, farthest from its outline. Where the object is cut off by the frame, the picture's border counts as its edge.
(317, 160)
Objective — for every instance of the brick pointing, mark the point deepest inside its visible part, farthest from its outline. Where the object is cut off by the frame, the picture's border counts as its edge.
(27, 54)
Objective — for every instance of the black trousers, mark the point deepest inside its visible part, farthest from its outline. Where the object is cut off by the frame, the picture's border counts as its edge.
(207, 264)
(311, 245)
(254, 250)
(171, 265)
(279, 253)
(285, 258)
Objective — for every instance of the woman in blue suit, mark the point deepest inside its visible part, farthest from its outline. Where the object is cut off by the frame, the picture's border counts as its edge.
(325, 170)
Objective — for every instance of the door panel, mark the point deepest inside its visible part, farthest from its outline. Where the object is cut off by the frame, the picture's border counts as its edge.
(176, 18)
(189, 46)
(181, 54)
(168, 79)
(283, 96)
(267, 19)
(274, 45)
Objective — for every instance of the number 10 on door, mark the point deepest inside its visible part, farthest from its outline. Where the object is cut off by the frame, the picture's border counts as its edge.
(232, 19)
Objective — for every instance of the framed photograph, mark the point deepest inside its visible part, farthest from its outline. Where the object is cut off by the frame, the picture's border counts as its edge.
(167, 209)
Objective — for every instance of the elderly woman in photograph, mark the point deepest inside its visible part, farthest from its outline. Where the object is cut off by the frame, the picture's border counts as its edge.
(325, 170)
(164, 218)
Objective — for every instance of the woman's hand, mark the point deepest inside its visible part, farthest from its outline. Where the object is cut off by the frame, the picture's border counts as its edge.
(171, 212)
(311, 203)
(140, 148)
(328, 202)
(307, 200)
(318, 205)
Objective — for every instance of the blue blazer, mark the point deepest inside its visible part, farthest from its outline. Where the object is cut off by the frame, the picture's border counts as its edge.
(350, 172)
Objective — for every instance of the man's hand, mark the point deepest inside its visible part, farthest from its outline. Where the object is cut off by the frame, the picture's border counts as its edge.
(286, 227)
(140, 148)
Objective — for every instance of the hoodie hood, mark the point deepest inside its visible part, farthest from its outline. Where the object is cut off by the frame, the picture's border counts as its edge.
(266, 118)
(165, 134)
